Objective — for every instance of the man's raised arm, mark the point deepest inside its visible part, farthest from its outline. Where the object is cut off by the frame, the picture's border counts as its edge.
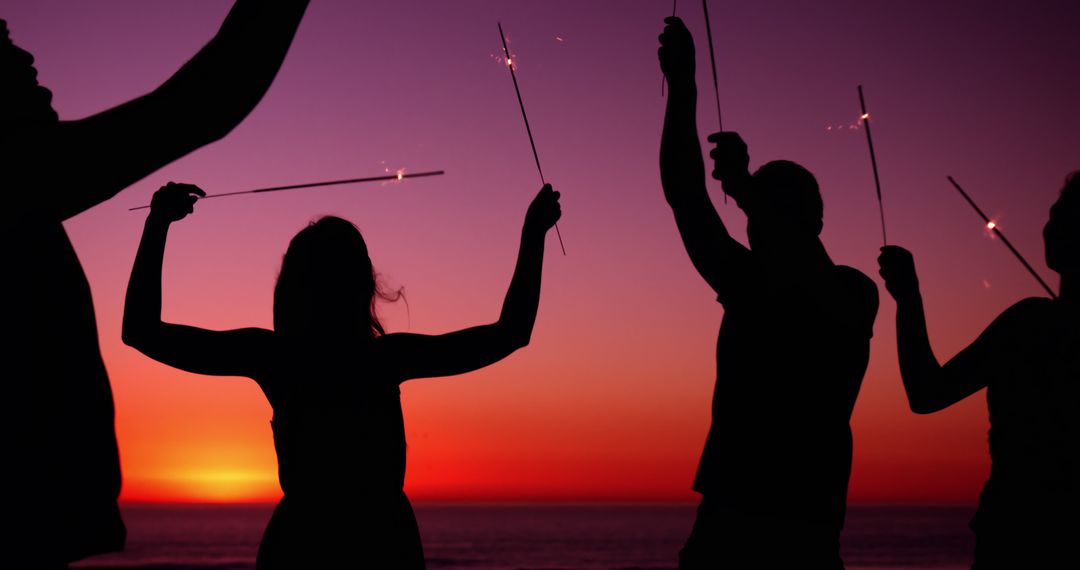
(715, 254)
(88, 161)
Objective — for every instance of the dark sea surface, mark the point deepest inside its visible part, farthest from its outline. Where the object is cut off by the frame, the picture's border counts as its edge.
(536, 537)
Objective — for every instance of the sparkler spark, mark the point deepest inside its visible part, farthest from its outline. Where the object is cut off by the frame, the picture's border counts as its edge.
(525, 117)
(854, 126)
(873, 165)
(505, 57)
(995, 231)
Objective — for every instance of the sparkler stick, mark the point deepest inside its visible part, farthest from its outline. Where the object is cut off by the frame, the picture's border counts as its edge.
(521, 103)
(398, 176)
(873, 162)
(712, 56)
(715, 82)
(990, 225)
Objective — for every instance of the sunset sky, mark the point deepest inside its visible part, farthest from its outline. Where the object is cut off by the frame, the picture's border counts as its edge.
(611, 399)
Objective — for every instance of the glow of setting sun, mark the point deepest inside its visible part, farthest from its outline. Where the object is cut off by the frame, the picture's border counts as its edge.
(225, 486)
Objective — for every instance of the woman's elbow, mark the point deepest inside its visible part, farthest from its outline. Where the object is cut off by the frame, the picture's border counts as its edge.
(514, 337)
(130, 338)
(136, 336)
(922, 409)
(516, 340)
(924, 405)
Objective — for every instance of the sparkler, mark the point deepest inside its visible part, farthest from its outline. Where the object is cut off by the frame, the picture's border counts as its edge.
(865, 118)
(521, 103)
(992, 226)
(715, 82)
(400, 175)
(712, 57)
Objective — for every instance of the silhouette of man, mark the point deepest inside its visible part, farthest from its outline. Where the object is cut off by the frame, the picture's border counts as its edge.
(61, 469)
(1028, 360)
(792, 350)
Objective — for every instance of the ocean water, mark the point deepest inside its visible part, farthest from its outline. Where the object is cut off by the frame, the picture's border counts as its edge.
(535, 537)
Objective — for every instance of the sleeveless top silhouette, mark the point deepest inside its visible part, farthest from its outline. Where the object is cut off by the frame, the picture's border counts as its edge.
(1033, 400)
(340, 440)
(790, 360)
(63, 472)
(338, 430)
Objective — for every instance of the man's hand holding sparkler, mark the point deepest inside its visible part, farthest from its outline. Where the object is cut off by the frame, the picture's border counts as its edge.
(731, 165)
(676, 54)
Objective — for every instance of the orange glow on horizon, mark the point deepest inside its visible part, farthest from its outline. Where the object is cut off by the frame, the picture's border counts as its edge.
(611, 399)
(214, 485)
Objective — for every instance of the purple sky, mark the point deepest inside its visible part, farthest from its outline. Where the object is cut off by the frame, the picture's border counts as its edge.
(985, 91)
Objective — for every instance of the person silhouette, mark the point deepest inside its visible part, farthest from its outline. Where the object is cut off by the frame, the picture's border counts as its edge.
(792, 349)
(62, 470)
(332, 375)
(1028, 361)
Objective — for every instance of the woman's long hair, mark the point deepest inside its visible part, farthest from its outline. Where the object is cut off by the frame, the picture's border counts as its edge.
(327, 285)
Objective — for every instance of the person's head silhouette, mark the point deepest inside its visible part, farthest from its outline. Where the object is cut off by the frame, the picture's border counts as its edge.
(327, 285)
(1062, 232)
(790, 195)
(22, 99)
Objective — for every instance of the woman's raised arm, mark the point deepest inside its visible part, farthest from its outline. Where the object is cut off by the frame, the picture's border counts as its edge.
(220, 353)
(423, 356)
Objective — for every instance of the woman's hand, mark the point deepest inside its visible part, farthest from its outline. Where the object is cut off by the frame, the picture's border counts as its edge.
(543, 212)
(173, 202)
(898, 271)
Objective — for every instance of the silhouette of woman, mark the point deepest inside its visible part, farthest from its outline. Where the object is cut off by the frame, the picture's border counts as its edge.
(61, 475)
(331, 374)
(1028, 360)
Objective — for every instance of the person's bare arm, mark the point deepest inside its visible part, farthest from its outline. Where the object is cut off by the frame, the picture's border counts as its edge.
(929, 385)
(718, 258)
(220, 353)
(425, 356)
(88, 161)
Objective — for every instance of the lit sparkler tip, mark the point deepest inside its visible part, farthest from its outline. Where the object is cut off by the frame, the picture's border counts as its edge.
(865, 116)
(990, 225)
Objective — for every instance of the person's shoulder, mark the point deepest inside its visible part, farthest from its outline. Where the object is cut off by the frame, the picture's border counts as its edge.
(1032, 305)
(1028, 309)
(857, 296)
(853, 282)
